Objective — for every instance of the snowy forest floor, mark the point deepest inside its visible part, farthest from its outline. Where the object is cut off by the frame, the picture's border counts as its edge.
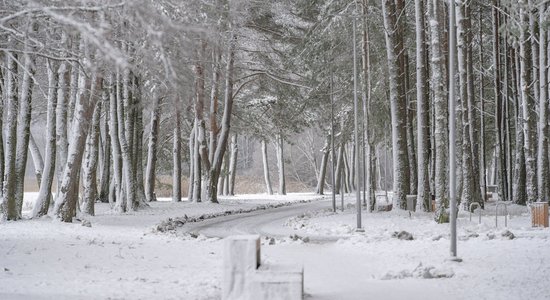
(126, 257)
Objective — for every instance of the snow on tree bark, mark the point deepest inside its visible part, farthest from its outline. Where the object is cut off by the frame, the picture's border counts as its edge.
(24, 124)
(152, 150)
(528, 104)
(9, 207)
(176, 156)
(89, 168)
(233, 165)
(265, 163)
(55, 89)
(422, 111)
(398, 108)
(440, 111)
(65, 203)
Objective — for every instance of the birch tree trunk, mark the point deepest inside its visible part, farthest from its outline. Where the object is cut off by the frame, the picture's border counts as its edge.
(266, 168)
(398, 108)
(89, 170)
(65, 204)
(42, 202)
(150, 176)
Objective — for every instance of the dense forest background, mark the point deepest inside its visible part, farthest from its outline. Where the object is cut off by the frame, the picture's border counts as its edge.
(123, 101)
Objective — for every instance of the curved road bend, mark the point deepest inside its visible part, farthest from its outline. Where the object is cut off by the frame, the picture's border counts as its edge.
(269, 222)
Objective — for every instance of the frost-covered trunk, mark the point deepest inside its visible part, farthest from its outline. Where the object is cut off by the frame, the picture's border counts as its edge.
(9, 207)
(411, 147)
(233, 165)
(469, 187)
(216, 163)
(89, 168)
(196, 166)
(191, 178)
(125, 135)
(323, 168)
(542, 155)
(24, 128)
(519, 191)
(37, 159)
(398, 107)
(529, 113)
(56, 83)
(440, 111)
(482, 161)
(65, 203)
(371, 178)
(281, 164)
(104, 183)
(138, 147)
(422, 111)
(339, 188)
(150, 173)
(214, 100)
(265, 162)
(472, 109)
(176, 158)
(119, 198)
(498, 123)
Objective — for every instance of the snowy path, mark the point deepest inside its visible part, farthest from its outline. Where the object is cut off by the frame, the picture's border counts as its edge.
(267, 223)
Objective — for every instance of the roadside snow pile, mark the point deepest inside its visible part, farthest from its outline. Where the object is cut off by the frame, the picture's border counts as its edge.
(422, 272)
(304, 224)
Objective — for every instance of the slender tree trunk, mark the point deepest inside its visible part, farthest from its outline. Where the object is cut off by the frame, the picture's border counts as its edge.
(233, 165)
(89, 170)
(542, 159)
(191, 183)
(37, 159)
(323, 168)
(120, 205)
(413, 169)
(105, 179)
(9, 206)
(482, 162)
(152, 150)
(176, 155)
(42, 202)
(266, 168)
(281, 164)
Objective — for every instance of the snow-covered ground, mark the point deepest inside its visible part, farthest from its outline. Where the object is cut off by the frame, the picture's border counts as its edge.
(124, 257)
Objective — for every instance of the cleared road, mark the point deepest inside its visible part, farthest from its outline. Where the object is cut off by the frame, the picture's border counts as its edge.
(269, 222)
